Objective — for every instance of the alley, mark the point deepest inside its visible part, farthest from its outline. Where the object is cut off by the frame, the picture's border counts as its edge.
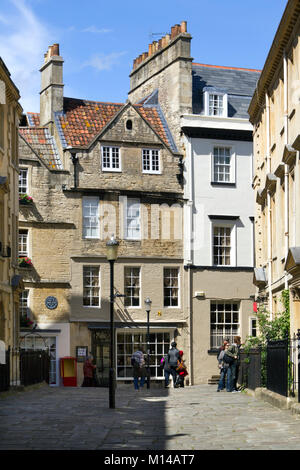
(194, 418)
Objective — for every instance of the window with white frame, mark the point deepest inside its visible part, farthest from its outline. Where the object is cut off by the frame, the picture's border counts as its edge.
(171, 287)
(129, 342)
(23, 243)
(91, 286)
(224, 322)
(133, 219)
(151, 161)
(23, 304)
(23, 180)
(111, 160)
(253, 327)
(132, 286)
(222, 245)
(223, 165)
(215, 103)
(90, 217)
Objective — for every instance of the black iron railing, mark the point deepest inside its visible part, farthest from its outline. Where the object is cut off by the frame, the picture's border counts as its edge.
(277, 366)
(249, 375)
(23, 368)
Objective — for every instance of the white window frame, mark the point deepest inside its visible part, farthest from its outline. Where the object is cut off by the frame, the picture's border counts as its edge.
(232, 164)
(178, 286)
(229, 332)
(110, 167)
(21, 179)
(23, 240)
(24, 303)
(152, 154)
(251, 328)
(85, 286)
(87, 203)
(232, 227)
(127, 217)
(207, 95)
(131, 287)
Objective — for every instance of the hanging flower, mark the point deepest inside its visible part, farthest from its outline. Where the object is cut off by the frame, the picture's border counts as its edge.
(25, 199)
(25, 262)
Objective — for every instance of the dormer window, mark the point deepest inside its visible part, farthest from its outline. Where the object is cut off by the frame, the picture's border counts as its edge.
(215, 102)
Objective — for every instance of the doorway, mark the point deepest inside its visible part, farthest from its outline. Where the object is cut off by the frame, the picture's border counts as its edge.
(100, 352)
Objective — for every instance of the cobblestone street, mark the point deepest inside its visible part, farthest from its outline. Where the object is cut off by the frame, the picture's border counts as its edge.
(193, 418)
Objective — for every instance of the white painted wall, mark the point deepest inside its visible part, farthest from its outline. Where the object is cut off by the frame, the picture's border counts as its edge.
(210, 199)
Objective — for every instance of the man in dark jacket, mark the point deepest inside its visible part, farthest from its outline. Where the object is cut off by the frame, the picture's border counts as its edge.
(173, 357)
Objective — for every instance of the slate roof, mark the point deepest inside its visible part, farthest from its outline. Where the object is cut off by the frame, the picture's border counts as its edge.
(82, 120)
(239, 84)
(43, 143)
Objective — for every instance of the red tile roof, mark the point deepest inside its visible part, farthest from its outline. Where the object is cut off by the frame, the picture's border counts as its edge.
(83, 120)
(33, 119)
(43, 144)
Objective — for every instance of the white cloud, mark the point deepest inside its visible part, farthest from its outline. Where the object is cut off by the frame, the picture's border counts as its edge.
(93, 29)
(104, 62)
(22, 44)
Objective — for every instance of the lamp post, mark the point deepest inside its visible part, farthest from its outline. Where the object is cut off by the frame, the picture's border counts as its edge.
(112, 254)
(148, 303)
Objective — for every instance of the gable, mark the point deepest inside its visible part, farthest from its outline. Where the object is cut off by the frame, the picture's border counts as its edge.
(131, 126)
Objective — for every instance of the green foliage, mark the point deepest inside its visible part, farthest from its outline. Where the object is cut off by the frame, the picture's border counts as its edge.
(276, 329)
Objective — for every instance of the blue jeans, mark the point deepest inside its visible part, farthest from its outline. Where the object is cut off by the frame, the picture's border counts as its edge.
(230, 377)
(168, 372)
(221, 385)
(136, 382)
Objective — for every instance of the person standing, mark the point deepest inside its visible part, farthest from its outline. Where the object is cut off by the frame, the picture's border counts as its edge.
(223, 368)
(139, 371)
(166, 369)
(173, 358)
(232, 354)
(181, 371)
(88, 372)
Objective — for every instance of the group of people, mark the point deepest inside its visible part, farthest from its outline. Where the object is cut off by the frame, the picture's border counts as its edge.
(228, 362)
(172, 363)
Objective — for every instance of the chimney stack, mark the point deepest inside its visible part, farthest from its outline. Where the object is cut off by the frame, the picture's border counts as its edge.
(176, 30)
(51, 94)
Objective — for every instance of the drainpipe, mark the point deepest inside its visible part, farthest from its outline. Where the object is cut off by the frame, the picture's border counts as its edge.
(286, 167)
(74, 158)
(269, 210)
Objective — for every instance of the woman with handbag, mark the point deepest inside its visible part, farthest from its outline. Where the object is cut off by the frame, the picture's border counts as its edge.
(181, 371)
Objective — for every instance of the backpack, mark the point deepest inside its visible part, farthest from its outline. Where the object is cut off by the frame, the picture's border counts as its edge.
(135, 361)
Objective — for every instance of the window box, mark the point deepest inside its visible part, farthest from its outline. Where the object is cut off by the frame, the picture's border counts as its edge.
(25, 200)
(25, 262)
(25, 322)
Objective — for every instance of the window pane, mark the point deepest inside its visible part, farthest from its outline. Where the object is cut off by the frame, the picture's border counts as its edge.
(225, 324)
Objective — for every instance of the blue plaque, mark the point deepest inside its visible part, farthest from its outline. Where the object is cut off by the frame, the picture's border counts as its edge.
(51, 302)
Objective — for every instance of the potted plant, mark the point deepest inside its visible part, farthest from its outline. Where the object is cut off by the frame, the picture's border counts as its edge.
(25, 262)
(24, 199)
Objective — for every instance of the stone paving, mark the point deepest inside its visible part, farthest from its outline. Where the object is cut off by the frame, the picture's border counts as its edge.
(193, 418)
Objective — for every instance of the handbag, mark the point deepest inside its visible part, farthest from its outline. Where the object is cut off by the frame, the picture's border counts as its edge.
(180, 367)
(228, 359)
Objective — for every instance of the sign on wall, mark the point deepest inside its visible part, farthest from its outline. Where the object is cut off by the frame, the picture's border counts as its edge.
(81, 353)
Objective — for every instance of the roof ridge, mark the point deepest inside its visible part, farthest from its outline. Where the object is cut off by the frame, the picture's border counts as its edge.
(226, 67)
(93, 101)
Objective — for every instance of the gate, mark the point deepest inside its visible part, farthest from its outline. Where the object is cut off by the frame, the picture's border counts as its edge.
(250, 368)
(277, 366)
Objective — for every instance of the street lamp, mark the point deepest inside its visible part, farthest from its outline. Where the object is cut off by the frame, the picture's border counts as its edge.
(111, 255)
(148, 303)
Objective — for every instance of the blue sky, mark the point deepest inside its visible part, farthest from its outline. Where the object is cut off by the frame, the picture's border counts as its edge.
(99, 39)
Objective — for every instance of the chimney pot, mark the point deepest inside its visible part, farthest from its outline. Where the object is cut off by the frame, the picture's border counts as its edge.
(150, 49)
(55, 49)
(173, 32)
(183, 26)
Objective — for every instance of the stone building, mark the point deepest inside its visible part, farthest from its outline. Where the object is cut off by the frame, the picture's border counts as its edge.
(94, 169)
(10, 282)
(206, 107)
(275, 114)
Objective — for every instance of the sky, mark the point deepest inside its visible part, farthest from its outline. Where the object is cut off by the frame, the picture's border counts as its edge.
(99, 39)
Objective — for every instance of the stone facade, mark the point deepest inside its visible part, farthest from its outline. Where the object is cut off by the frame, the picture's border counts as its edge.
(10, 282)
(274, 112)
(61, 179)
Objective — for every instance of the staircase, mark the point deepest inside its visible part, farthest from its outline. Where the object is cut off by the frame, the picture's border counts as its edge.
(214, 380)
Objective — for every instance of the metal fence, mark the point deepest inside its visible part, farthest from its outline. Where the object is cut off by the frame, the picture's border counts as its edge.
(24, 367)
(277, 366)
(249, 374)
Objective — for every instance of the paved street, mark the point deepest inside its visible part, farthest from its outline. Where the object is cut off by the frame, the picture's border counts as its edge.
(193, 418)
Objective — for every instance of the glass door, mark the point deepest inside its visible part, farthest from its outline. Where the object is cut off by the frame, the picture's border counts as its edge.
(100, 351)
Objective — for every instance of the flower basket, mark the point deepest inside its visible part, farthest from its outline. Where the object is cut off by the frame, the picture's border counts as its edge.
(25, 262)
(25, 322)
(25, 200)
